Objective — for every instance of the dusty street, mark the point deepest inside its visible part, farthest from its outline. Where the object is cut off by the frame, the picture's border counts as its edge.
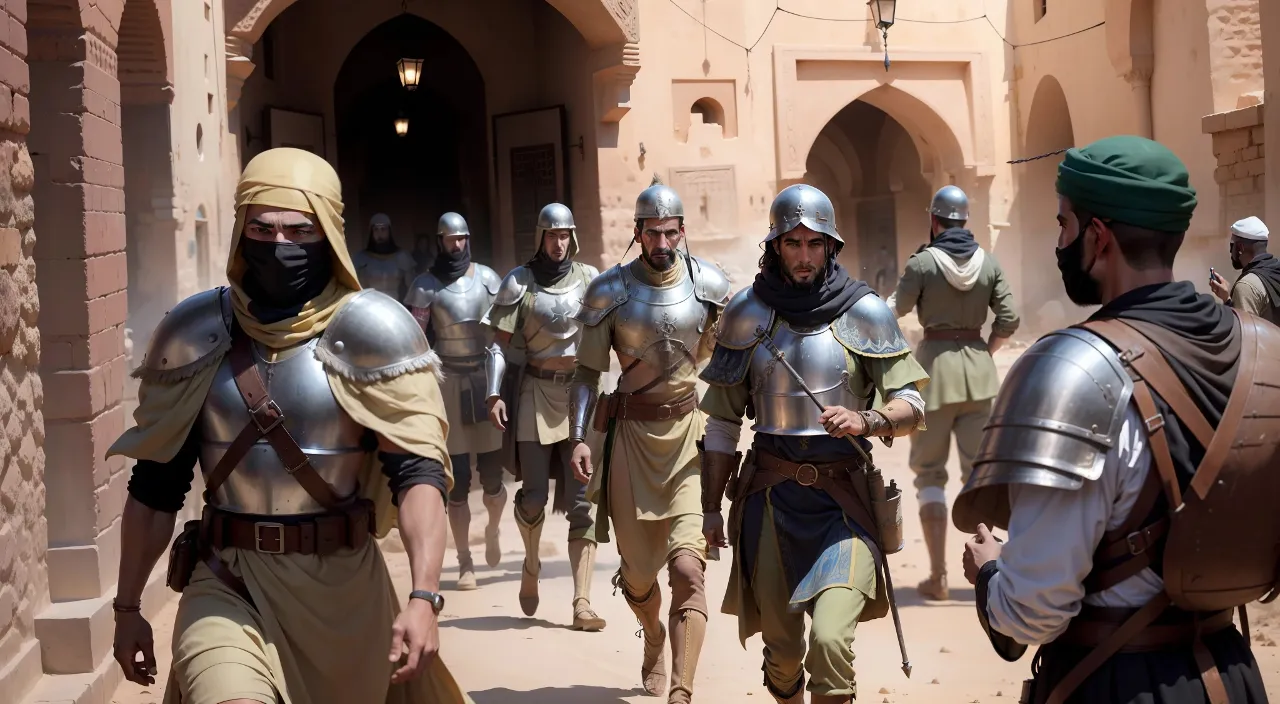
(503, 657)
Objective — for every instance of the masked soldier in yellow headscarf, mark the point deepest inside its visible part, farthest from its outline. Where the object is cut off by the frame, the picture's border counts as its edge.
(296, 392)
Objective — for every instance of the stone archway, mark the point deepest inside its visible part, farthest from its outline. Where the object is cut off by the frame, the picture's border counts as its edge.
(1048, 129)
(877, 176)
(90, 66)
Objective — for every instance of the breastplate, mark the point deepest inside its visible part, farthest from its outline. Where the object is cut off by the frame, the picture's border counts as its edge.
(328, 436)
(548, 329)
(661, 326)
(782, 407)
(381, 273)
(455, 318)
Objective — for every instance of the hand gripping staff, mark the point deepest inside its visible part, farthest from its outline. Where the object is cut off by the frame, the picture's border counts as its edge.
(881, 563)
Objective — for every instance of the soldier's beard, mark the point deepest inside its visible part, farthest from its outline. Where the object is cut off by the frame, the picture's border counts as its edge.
(664, 264)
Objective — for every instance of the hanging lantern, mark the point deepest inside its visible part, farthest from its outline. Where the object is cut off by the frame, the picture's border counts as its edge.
(402, 126)
(410, 71)
(884, 12)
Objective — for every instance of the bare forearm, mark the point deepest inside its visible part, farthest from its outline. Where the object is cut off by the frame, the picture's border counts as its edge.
(144, 536)
(422, 529)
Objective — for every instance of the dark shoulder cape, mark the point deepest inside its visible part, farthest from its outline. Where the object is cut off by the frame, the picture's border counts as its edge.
(1200, 338)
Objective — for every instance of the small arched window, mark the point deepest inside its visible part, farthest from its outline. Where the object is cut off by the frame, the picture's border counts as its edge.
(711, 111)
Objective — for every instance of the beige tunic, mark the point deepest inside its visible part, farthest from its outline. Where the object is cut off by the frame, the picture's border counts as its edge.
(1250, 295)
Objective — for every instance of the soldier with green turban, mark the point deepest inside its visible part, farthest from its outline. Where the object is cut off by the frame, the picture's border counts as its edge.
(1072, 460)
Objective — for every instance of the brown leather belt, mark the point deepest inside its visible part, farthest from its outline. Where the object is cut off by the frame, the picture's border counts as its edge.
(559, 376)
(315, 534)
(463, 365)
(835, 478)
(637, 407)
(1173, 629)
(953, 335)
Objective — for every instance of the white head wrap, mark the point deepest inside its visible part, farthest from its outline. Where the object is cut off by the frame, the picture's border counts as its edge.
(1250, 228)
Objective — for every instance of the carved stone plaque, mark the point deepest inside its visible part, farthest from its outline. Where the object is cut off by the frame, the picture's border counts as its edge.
(710, 196)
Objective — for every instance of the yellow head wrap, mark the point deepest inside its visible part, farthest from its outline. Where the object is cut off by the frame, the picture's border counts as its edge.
(297, 180)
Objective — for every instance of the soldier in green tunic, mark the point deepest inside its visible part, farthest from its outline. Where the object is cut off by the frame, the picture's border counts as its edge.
(953, 283)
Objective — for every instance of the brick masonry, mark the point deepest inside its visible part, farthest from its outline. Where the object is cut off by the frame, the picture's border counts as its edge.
(1241, 151)
(23, 529)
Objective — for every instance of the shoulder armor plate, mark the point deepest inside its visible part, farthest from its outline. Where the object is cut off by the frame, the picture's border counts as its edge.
(489, 278)
(710, 283)
(423, 291)
(189, 337)
(512, 288)
(606, 292)
(372, 337)
(1058, 413)
(744, 313)
(870, 329)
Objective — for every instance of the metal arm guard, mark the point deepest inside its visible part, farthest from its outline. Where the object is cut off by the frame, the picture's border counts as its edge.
(495, 367)
(717, 469)
(582, 403)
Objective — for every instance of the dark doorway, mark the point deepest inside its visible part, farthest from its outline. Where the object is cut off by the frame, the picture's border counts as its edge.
(442, 162)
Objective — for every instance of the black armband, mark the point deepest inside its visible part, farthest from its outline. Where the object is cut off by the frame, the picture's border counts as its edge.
(1005, 647)
(163, 486)
(405, 470)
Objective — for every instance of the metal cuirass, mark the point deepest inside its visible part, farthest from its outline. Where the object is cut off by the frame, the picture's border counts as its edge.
(781, 406)
(661, 326)
(383, 273)
(549, 329)
(328, 436)
(456, 315)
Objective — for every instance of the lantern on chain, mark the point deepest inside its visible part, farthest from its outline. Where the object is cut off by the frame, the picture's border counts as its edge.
(402, 125)
(410, 71)
(884, 11)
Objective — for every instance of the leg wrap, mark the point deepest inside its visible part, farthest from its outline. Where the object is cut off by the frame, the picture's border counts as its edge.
(460, 526)
(648, 611)
(461, 478)
(531, 533)
(688, 624)
(494, 502)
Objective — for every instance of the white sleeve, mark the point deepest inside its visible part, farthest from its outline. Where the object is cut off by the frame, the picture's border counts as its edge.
(1052, 537)
(721, 436)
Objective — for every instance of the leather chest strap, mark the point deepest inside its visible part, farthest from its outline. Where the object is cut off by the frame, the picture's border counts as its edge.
(266, 420)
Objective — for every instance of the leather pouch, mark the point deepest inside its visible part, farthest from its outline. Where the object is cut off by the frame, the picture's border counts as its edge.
(183, 556)
(886, 507)
(600, 419)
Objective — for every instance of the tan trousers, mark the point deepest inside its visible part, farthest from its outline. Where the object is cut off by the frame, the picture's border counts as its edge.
(930, 448)
(646, 546)
(833, 618)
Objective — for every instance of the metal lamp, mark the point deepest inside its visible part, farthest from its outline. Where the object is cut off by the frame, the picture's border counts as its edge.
(411, 70)
(402, 126)
(884, 12)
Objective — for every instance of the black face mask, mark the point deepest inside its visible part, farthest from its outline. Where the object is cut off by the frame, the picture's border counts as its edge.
(1081, 289)
(282, 276)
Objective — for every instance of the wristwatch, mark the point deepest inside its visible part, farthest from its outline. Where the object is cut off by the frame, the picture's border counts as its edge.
(436, 601)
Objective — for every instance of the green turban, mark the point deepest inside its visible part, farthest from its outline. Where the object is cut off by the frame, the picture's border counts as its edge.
(1132, 180)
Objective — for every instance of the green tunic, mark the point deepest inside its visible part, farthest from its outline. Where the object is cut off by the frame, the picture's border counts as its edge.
(960, 370)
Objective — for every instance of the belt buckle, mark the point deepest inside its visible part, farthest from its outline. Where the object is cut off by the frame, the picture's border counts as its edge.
(665, 412)
(268, 404)
(1137, 541)
(562, 376)
(806, 475)
(257, 537)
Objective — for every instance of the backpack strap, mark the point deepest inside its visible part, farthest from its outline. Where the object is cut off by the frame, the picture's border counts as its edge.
(1215, 453)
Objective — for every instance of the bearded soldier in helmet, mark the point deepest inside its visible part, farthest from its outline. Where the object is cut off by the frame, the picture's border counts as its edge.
(802, 526)
(656, 313)
(1132, 459)
(382, 264)
(449, 302)
(535, 302)
(314, 412)
(953, 282)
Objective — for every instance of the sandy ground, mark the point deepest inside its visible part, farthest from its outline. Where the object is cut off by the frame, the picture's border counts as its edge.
(503, 657)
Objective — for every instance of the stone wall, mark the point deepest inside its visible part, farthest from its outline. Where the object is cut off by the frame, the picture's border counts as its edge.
(1238, 144)
(1235, 50)
(23, 529)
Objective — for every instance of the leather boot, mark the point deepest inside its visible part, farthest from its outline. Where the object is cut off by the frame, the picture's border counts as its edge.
(830, 699)
(582, 558)
(688, 631)
(653, 669)
(531, 533)
(460, 524)
(495, 504)
(933, 518)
